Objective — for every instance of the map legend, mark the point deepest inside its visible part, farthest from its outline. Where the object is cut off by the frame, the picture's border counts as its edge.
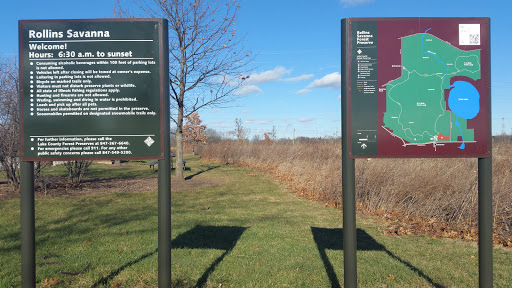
(364, 75)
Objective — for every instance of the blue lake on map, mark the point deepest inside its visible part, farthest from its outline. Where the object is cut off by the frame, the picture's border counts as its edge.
(464, 100)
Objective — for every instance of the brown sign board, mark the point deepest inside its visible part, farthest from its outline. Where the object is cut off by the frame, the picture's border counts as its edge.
(91, 89)
(417, 87)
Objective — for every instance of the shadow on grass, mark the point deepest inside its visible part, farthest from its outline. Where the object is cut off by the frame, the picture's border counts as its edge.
(173, 169)
(209, 237)
(104, 280)
(332, 239)
(81, 220)
(201, 172)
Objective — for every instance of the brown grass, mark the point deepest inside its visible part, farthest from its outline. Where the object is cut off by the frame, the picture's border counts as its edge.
(433, 190)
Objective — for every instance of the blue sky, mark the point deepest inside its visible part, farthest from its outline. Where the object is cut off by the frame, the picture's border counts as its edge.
(296, 82)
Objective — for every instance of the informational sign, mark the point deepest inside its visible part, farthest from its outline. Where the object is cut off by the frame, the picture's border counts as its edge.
(418, 87)
(91, 89)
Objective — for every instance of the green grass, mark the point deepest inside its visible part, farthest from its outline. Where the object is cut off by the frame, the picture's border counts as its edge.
(245, 231)
(291, 242)
(130, 169)
(107, 231)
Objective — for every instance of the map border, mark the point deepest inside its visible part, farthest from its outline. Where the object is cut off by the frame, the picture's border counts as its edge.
(387, 147)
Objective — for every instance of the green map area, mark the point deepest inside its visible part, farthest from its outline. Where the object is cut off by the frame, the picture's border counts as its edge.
(416, 110)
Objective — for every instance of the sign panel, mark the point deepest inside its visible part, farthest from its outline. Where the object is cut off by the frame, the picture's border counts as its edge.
(91, 89)
(418, 87)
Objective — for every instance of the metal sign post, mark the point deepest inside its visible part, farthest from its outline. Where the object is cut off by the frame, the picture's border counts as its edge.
(396, 73)
(348, 180)
(28, 234)
(164, 174)
(485, 229)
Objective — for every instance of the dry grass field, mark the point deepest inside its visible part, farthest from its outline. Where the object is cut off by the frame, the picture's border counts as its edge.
(436, 196)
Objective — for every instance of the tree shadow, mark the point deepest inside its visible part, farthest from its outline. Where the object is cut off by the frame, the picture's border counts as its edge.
(104, 280)
(332, 239)
(209, 237)
(201, 172)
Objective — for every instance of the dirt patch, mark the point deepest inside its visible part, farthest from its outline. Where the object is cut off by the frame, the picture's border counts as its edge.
(60, 188)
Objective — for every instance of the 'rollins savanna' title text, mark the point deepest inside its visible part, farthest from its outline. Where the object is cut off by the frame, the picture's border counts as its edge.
(70, 33)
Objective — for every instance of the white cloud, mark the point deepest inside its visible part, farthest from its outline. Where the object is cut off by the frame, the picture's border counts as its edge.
(299, 78)
(254, 121)
(353, 3)
(264, 122)
(268, 76)
(306, 119)
(248, 89)
(303, 91)
(275, 75)
(332, 80)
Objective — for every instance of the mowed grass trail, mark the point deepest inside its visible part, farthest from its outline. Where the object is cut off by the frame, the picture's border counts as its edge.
(251, 232)
(236, 228)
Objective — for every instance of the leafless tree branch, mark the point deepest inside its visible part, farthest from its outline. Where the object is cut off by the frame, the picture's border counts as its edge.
(207, 62)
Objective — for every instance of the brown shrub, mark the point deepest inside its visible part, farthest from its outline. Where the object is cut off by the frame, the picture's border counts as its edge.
(443, 189)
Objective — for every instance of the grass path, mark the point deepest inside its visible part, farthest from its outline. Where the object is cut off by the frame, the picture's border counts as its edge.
(243, 231)
(275, 239)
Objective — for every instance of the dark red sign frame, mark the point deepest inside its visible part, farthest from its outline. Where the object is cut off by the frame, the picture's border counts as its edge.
(160, 67)
(389, 53)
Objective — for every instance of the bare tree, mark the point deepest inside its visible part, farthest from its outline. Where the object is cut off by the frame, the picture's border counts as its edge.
(273, 134)
(10, 125)
(240, 131)
(214, 136)
(9, 121)
(207, 60)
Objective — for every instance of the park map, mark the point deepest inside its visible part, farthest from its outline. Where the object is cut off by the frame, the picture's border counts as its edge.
(417, 111)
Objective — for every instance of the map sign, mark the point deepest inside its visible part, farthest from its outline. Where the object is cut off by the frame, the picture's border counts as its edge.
(91, 89)
(418, 87)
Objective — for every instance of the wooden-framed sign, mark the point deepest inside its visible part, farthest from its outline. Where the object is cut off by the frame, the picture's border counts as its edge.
(91, 89)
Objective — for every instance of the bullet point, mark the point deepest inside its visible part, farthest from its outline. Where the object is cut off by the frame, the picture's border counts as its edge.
(31, 86)
(31, 63)
(31, 72)
(31, 109)
(31, 82)
(32, 148)
(31, 139)
(31, 91)
(31, 104)
(31, 77)
(31, 114)
(31, 100)
(31, 95)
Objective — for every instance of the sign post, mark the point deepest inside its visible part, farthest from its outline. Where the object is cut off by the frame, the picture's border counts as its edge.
(164, 174)
(348, 172)
(416, 88)
(28, 235)
(485, 221)
(94, 89)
